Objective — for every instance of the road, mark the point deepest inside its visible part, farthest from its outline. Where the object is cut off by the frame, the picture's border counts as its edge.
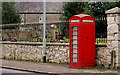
(16, 72)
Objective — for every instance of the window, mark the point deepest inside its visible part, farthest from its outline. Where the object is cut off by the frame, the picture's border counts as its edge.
(74, 44)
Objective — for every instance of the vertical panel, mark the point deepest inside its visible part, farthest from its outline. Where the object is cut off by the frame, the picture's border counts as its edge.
(74, 43)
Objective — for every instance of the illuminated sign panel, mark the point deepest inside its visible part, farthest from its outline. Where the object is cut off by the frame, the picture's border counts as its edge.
(75, 20)
(87, 20)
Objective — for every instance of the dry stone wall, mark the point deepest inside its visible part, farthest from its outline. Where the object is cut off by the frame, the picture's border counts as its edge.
(103, 56)
(54, 53)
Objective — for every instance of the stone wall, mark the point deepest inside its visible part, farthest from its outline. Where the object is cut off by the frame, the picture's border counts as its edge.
(103, 56)
(55, 52)
(113, 34)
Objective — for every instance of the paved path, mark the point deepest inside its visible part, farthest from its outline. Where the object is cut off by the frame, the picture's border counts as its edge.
(49, 68)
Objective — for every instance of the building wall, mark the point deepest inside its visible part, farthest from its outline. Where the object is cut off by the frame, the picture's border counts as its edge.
(32, 18)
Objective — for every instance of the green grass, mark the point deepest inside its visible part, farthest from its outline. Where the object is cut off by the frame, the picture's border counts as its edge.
(34, 39)
(22, 60)
(97, 41)
(96, 67)
(57, 63)
(101, 41)
(65, 39)
(35, 61)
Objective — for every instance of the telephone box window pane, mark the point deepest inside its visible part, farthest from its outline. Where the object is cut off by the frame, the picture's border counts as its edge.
(74, 37)
(75, 33)
(74, 28)
(74, 51)
(74, 46)
(74, 41)
(74, 60)
(74, 55)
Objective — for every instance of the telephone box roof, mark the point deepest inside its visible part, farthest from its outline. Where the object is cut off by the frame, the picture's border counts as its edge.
(82, 15)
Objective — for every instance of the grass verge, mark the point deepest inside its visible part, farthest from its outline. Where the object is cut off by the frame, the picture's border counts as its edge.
(35, 61)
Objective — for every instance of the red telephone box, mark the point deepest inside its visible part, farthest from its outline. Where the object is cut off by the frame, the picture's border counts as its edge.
(82, 41)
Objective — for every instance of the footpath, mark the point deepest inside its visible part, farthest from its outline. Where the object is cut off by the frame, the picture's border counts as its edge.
(49, 68)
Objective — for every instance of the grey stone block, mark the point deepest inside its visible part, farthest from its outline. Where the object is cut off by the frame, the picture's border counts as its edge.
(117, 37)
(110, 19)
(117, 51)
(113, 28)
(115, 44)
(110, 38)
(113, 10)
(118, 19)
(119, 45)
(118, 59)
